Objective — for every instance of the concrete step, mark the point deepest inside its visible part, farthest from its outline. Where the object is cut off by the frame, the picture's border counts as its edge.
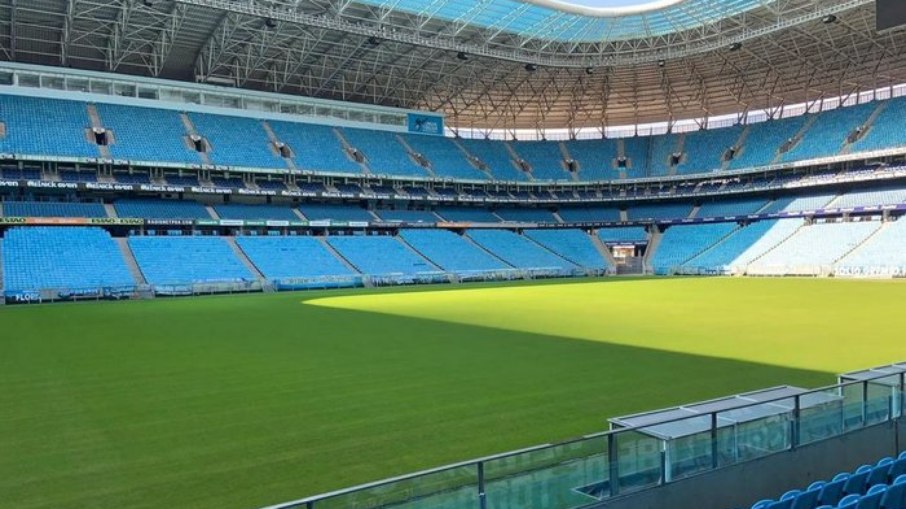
(243, 257)
(110, 209)
(339, 256)
(123, 243)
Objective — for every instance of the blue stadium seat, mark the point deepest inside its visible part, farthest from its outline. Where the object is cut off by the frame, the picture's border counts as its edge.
(73, 258)
(160, 209)
(187, 260)
(380, 255)
(147, 134)
(282, 257)
(518, 251)
(452, 252)
(53, 209)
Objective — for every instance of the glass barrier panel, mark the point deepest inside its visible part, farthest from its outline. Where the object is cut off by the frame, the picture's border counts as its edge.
(821, 416)
(638, 461)
(880, 395)
(688, 447)
(558, 477)
(853, 406)
(454, 488)
(761, 429)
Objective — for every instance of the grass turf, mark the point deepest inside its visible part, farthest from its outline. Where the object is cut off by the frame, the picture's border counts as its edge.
(237, 402)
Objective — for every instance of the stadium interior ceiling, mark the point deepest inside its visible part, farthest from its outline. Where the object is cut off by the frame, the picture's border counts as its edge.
(760, 55)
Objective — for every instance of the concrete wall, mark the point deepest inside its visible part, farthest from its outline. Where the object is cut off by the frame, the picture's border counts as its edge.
(744, 484)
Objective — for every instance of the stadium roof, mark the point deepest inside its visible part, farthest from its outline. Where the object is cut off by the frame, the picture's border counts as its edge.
(531, 66)
(564, 22)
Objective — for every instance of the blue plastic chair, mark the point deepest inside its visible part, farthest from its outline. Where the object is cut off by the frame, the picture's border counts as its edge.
(849, 502)
(816, 486)
(894, 497)
(901, 479)
(832, 492)
(864, 468)
(877, 488)
(807, 499)
(842, 476)
(897, 469)
(790, 494)
(781, 504)
(762, 504)
(856, 484)
(872, 501)
(879, 474)
(902, 455)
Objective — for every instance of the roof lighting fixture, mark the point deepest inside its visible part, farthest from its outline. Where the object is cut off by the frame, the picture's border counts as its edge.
(531, 67)
(462, 56)
(830, 18)
(736, 46)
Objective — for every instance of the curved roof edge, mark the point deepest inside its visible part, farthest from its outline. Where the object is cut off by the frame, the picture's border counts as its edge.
(605, 12)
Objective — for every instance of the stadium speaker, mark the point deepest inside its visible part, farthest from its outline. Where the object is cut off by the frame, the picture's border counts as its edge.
(830, 18)
(736, 46)
(589, 70)
(270, 23)
(890, 14)
(462, 56)
(661, 63)
(531, 67)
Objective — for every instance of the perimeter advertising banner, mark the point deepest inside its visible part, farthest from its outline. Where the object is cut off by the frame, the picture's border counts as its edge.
(426, 124)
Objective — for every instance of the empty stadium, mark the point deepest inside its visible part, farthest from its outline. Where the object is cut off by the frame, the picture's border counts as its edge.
(495, 254)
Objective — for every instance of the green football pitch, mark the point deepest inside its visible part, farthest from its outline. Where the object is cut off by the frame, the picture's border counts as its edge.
(243, 401)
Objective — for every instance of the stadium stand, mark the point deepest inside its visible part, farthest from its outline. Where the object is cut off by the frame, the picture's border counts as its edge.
(380, 255)
(78, 259)
(412, 216)
(628, 234)
(544, 158)
(763, 142)
(518, 251)
(160, 209)
(446, 159)
(347, 212)
(731, 207)
(179, 260)
(495, 155)
(451, 252)
(813, 249)
(78, 176)
(384, 154)
(52, 209)
(681, 243)
(799, 204)
(827, 136)
(660, 211)
(704, 150)
(282, 257)
(886, 131)
(46, 127)
(474, 215)
(635, 149)
(253, 212)
(596, 158)
(662, 148)
(237, 141)
(882, 485)
(315, 147)
(886, 196)
(573, 245)
(146, 134)
(588, 213)
(720, 257)
(882, 255)
(526, 215)
(775, 235)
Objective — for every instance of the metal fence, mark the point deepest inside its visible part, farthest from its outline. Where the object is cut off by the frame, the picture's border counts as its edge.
(585, 471)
